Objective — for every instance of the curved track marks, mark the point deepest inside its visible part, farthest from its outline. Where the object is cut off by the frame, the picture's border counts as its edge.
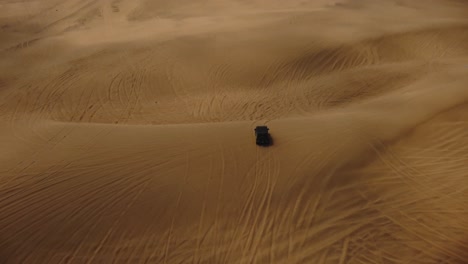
(145, 84)
(139, 147)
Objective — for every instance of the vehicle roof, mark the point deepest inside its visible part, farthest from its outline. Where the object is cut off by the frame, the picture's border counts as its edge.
(261, 129)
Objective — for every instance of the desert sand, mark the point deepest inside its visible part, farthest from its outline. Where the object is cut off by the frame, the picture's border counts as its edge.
(126, 131)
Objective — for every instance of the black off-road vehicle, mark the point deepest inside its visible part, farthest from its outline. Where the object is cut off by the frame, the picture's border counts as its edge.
(263, 137)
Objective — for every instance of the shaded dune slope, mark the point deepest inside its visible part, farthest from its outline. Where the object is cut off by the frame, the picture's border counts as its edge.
(170, 79)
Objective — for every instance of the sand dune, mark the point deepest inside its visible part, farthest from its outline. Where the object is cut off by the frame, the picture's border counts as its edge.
(127, 131)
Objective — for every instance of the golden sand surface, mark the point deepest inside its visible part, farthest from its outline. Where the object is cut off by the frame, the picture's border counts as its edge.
(126, 131)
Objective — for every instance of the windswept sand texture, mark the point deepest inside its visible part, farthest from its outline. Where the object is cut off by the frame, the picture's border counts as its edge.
(126, 131)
